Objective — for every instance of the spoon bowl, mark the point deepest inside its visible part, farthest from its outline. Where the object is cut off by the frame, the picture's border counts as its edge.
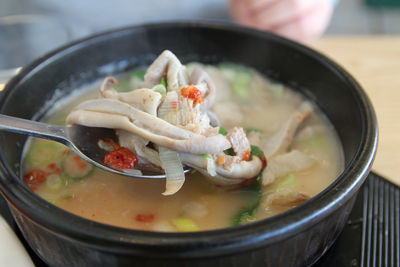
(81, 139)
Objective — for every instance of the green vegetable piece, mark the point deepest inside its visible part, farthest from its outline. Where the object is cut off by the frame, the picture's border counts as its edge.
(44, 152)
(139, 73)
(75, 168)
(164, 82)
(251, 129)
(160, 89)
(241, 83)
(287, 181)
(250, 210)
(54, 181)
(124, 86)
(206, 156)
(315, 141)
(240, 78)
(235, 67)
(222, 131)
(185, 224)
(256, 151)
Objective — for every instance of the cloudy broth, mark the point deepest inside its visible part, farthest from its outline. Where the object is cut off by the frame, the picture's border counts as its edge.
(139, 204)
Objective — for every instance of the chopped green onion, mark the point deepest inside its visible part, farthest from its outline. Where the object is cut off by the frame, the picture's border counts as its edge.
(54, 181)
(160, 88)
(139, 73)
(235, 67)
(185, 224)
(164, 82)
(241, 84)
(222, 131)
(249, 211)
(206, 156)
(315, 141)
(287, 181)
(239, 77)
(256, 151)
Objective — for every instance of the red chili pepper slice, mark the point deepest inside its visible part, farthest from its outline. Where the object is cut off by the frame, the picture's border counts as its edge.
(121, 158)
(34, 178)
(246, 155)
(146, 218)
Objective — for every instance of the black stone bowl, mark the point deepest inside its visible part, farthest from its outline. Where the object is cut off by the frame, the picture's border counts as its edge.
(295, 238)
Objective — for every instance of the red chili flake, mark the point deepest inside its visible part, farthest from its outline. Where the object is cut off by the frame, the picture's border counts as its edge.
(246, 155)
(146, 218)
(193, 93)
(34, 178)
(53, 168)
(66, 151)
(79, 162)
(121, 158)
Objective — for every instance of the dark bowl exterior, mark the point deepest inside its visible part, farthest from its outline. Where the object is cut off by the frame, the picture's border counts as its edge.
(295, 238)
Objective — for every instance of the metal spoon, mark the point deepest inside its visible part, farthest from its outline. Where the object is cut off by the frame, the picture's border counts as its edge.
(82, 140)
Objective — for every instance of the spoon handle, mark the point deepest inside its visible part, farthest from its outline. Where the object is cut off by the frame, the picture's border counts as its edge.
(33, 128)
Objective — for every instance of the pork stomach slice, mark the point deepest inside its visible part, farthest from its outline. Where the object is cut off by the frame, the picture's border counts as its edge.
(196, 145)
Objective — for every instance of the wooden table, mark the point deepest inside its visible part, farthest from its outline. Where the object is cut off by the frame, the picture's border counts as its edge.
(375, 63)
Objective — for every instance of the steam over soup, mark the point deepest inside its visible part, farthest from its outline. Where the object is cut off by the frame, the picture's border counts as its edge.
(257, 149)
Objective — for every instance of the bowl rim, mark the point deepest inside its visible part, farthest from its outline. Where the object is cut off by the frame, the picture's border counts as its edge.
(228, 240)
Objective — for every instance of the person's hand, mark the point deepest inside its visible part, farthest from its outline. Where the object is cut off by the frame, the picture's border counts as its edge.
(301, 20)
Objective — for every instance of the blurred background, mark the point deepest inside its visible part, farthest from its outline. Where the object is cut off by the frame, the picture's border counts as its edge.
(30, 28)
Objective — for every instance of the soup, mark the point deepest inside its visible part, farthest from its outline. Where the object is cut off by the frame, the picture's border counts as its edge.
(287, 133)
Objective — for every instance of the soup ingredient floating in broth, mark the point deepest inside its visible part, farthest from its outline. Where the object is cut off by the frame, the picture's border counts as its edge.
(165, 124)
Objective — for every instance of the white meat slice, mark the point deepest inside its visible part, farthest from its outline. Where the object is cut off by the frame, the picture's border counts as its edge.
(285, 197)
(167, 63)
(285, 163)
(239, 172)
(195, 145)
(169, 107)
(144, 99)
(139, 118)
(280, 142)
(180, 111)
